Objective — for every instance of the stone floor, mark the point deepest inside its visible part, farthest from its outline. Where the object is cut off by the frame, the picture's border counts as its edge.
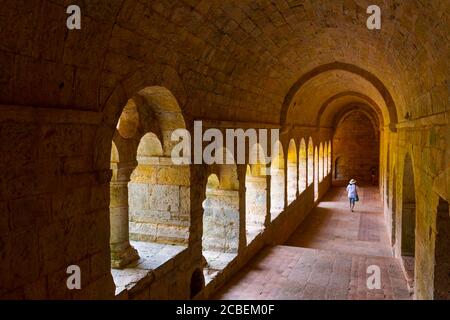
(333, 227)
(327, 257)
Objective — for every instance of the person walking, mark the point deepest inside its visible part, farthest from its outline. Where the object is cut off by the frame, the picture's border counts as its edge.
(352, 191)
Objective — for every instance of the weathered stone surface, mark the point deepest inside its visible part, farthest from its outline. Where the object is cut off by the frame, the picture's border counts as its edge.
(356, 149)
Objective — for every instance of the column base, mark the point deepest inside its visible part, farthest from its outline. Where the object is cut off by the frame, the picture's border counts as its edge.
(122, 255)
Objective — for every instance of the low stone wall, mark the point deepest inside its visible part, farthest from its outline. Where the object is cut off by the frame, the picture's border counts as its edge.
(172, 280)
(159, 200)
(256, 200)
(221, 221)
(276, 233)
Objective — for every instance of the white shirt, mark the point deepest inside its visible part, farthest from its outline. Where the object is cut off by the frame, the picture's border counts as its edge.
(352, 190)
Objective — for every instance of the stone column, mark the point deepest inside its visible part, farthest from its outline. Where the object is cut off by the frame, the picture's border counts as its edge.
(122, 253)
(268, 218)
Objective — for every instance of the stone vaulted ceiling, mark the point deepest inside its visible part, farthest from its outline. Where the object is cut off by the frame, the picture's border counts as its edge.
(230, 60)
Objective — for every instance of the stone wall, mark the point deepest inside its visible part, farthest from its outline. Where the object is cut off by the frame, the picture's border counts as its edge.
(55, 206)
(428, 148)
(221, 221)
(159, 203)
(172, 280)
(62, 93)
(356, 149)
(256, 201)
(277, 191)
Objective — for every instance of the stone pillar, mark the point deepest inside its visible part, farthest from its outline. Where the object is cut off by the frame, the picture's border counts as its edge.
(122, 253)
(268, 217)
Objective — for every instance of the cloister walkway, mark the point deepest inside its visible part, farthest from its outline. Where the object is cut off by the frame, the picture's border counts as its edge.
(326, 257)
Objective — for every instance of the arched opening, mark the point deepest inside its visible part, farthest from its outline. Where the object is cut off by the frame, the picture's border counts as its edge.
(442, 250)
(292, 172)
(321, 162)
(158, 196)
(310, 161)
(277, 182)
(220, 238)
(149, 194)
(408, 223)
(302, 167)
(316, 174)
(356, 142)
(329, 157)
(310, 80)
(255, 200)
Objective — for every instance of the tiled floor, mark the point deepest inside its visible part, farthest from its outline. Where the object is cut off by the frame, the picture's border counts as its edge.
(327, 257)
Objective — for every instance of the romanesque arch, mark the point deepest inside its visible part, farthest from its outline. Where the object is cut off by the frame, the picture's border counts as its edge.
(321, 162)
(149, 198)
(292, 172)
(310, 161)
(391, 110)
(302, 167)
(221, 219)
(408, 220)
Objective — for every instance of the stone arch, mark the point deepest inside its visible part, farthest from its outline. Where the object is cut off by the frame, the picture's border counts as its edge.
(408, 208)
(408, 220)
(377, 83)
(149, 146)
(316, 173)
(115, 157)
(441, 290)
(221, 218)
(310, 161)
(137, 87)
(158, 103)
(357, 141)
(277, 182)
(366, 102)
(159, 196)
(302, 167)
(292, 171)
(330, 165)
(321, 162)
(213, 181)
(149, 195)
(347, 112)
